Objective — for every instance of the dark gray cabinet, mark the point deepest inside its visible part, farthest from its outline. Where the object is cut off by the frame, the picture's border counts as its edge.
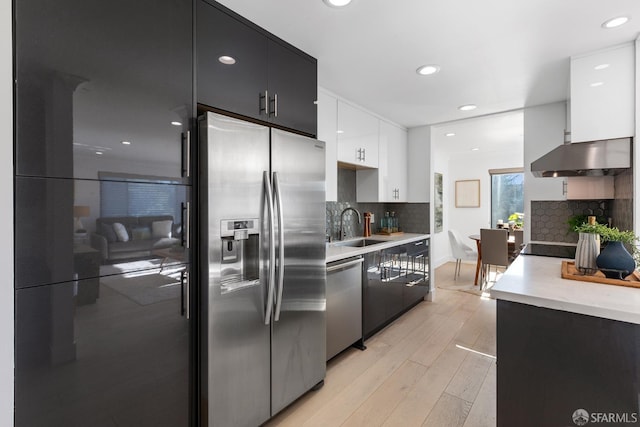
(49, 247)
(123, 360)
(104, 106)
(394, 280)
(552, 363)
(103, 86)
(269, 80)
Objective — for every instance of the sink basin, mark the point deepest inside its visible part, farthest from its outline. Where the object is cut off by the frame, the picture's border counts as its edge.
(359, 243)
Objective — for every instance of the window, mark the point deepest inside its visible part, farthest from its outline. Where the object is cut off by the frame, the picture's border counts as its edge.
(136, 198)
(507, 188)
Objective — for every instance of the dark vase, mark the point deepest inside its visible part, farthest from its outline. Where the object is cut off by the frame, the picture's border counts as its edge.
(615, 261)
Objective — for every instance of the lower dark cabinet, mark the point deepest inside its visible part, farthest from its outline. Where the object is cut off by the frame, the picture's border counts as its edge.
(394, 280)
(553, 363)
(121, 359)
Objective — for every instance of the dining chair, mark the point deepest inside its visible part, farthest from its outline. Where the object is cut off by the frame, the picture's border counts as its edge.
(495, 250)
(518, 239)
(460, 251)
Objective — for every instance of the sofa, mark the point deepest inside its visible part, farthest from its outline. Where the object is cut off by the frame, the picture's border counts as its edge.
(126, 237)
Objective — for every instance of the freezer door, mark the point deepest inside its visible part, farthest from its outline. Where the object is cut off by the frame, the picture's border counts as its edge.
(299, 333)
(235, 338)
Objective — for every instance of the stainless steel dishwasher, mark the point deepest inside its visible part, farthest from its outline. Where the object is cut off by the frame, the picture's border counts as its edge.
(344, 305)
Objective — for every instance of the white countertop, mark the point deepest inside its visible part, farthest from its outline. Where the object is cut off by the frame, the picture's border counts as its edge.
(536, 280)
(336, 252)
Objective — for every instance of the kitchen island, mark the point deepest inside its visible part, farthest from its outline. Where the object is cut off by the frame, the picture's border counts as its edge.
(565, 346)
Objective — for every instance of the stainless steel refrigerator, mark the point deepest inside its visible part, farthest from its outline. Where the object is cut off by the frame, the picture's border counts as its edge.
(263, 274)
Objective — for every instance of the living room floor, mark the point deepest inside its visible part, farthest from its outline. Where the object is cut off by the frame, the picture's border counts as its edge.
(419, 371)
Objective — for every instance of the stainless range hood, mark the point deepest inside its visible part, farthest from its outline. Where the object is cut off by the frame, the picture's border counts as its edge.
(595, 158)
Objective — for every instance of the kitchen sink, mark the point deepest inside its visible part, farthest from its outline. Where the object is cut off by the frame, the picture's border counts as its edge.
(359, 243)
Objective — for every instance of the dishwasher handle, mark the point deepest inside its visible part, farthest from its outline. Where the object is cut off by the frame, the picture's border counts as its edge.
(345, 265)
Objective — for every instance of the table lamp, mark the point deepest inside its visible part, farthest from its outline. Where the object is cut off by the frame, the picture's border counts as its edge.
(80, 212)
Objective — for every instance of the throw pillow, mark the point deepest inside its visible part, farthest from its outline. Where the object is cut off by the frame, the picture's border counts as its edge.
(140, 233)
(107, 231)
(121, 232)
(160, 229)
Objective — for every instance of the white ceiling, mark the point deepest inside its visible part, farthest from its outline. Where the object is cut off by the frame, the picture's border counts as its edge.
(501, 132)
(499, 54)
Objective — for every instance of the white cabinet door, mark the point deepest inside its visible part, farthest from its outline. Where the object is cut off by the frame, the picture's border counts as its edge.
(327, 127)
(357, 136)
(388, 183)
(602, 94)
(396, 185)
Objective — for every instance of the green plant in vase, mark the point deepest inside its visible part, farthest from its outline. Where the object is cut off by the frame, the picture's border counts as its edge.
(517, 218)
(614, 261)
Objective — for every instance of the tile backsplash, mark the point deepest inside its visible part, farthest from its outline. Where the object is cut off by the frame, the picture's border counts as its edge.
(549, 218)
(413, 217)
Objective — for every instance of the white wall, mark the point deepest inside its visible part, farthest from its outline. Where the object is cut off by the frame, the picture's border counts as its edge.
(465, 166)
(543, 131)
(6, 216)
(440, 249)
(420, 164)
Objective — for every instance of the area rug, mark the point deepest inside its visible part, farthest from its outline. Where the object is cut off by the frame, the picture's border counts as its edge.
(464, 283)
(144, 289)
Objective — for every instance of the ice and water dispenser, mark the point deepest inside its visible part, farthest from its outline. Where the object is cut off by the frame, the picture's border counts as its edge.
(240, 254)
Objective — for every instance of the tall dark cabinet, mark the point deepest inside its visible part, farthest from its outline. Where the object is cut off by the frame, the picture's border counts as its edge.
(104, 108)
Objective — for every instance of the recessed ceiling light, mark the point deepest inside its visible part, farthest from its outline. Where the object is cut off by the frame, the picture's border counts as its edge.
(339, 131)
(227, 60)
(176, 123)
(426, 70)
(467, 107)
(615, 22)
(601, 67)
(100, 153)
(475, 149)
(450, 134)
(126, 143)
(596, 84)
(336, 3)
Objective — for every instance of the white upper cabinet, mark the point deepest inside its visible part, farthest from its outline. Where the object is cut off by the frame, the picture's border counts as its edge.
(327, 128)
(602, 94)
(357, 137)
(388, 183)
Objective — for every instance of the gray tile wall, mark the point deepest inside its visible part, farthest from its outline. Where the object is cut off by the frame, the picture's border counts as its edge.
(549, 218)
(622, 205)
(413, 217)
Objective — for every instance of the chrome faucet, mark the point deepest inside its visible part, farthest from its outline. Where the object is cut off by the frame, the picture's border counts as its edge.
(343, 234)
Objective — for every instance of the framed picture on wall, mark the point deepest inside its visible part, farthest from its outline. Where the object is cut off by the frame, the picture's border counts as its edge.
(468, 193)
(437, 208)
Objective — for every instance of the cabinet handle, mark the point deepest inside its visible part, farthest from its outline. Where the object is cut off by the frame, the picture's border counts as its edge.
(264, 98)
(186, 155)
(358, 155)
(185, 217)
(274, 112)
(184, 283)
(364, 155)
(564, 187)
(188, 225)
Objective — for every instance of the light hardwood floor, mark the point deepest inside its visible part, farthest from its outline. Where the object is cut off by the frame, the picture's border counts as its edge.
(414, 372)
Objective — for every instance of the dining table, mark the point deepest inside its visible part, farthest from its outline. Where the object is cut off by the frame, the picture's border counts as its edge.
(510, 241)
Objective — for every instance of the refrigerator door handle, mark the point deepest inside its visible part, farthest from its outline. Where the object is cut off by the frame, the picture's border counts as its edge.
(272, 250)
(278, 200)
